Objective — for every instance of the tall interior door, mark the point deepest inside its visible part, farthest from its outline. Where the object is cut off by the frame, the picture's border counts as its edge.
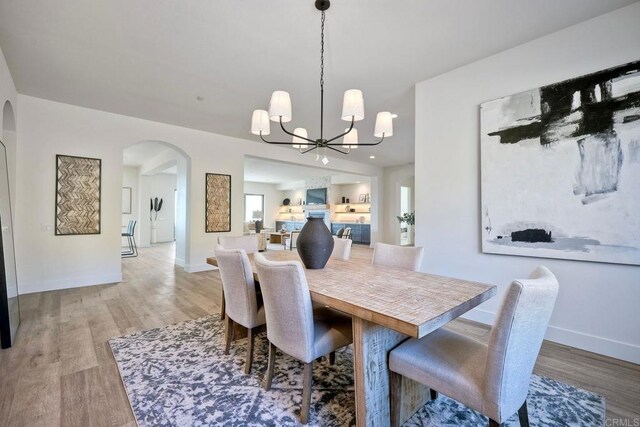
(9, 305)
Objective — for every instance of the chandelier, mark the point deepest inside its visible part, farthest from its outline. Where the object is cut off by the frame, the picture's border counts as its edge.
(352, 111)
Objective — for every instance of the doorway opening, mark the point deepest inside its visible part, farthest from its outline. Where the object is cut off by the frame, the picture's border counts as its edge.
(158, 176)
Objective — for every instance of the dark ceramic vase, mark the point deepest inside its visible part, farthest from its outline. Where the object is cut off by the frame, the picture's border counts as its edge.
(315, 243)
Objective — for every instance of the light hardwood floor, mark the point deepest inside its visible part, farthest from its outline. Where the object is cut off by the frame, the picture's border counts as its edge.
(61, 370)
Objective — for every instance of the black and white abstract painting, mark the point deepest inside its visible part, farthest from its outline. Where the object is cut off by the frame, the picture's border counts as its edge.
(561, 169)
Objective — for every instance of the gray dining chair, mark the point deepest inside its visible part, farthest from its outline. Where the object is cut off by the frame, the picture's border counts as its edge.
(131, 239)
(404, 257)
(292, 324)
(492, 378)
(247, 242)
(341, 249)
(242, 304)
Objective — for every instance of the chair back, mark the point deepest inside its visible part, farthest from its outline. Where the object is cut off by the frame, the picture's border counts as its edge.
(347, 233)
(293, 239)
(287, 305)
(404, 257)
(239, 287)
(340, 232)
(515, 341)
(131, 227)
(249, 243)
(341, 248)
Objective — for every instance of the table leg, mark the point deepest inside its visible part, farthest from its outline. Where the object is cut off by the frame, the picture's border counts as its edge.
(371, 346)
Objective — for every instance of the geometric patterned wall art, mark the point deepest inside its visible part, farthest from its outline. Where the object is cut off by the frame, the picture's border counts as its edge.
(218, 203)
(78, 187)
(560, 168)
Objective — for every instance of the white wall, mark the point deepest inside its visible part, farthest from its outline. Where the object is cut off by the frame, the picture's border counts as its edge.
(394, 178)
(597, 308)
(48, 128)
(272, 200)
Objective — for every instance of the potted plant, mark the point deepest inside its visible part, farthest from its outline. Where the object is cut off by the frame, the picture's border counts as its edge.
(156, 205)
(410, 220)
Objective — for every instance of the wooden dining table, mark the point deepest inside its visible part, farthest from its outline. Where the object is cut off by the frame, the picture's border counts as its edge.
(388, 306)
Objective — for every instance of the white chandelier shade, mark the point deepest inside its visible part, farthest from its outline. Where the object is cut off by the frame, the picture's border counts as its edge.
(384, 125)
(280, 106)
(350, 140)
(353, 106)
(260, 123)
(300, 138)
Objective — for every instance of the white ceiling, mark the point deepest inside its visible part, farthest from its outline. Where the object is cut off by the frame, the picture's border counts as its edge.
(152, 58)
(274, 172)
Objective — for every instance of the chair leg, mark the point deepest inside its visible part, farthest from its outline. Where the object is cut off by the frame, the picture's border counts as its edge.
(332, 358)
(434, 394)
(222, 307)
(395, 397)
(228, 334)
(270, 366)
(135, 246)
(250, 340)
(307, 380)
(523, 414)
(493, 423)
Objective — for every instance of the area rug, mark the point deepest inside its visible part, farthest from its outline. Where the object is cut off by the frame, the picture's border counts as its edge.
(179, 376)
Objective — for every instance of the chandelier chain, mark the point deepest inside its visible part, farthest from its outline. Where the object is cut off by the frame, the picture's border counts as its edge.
(322, 50)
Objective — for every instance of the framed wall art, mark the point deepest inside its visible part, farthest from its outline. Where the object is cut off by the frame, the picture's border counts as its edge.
(218, 203)
(560, 169)
(78, 193)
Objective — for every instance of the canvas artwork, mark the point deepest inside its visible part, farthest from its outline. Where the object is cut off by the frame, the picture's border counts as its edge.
(218, 203)
(78, 184)
(560, 169)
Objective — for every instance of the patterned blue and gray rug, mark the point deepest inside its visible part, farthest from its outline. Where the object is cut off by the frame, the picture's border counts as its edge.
(179, 376)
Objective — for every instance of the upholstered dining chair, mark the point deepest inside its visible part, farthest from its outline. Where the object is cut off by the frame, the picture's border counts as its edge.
(404, 257)
(242, 304)
(293, 239)
(292, 324)
(493, 379)
(248, 242)
(131, 239)
(346, 234)
(341, 249)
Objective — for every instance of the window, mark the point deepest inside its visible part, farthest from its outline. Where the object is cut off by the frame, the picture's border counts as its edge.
(253, 207)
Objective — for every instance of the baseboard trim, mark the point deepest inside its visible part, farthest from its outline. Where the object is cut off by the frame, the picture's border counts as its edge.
(75, 282)
(196, 268)
(179, 262)
(595, 344)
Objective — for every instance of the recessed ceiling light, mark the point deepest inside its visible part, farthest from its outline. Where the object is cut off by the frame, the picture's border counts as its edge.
(200, 98)
(357, 182)
(394, 116)
(372, 157)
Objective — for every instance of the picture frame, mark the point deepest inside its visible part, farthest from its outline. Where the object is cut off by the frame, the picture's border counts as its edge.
(363, 198)
(217, 203)
(126, 200)
(78, 195)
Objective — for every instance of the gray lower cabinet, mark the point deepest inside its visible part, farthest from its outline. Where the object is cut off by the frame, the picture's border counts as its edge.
(360, 233)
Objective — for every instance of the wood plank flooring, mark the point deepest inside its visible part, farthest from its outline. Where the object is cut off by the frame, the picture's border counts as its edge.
(61, 370)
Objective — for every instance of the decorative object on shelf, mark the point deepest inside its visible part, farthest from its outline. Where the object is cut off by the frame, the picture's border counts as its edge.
(362, 220)
(218, 203)
(343, 199)
(347, 208)
(347, 201)
(78, 188)
(368, 198)
(352, 111)
(299, 201)
(286, 202)
(315, 243)
(363, 198)
(156, 205)
(352, 210)
(409, 218)
(585, 134)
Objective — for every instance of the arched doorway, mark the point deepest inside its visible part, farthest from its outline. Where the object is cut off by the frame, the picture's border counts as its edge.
(158, 169)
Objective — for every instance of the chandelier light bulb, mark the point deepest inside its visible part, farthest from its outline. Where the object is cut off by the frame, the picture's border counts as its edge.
(260, 122)
(325, 160)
